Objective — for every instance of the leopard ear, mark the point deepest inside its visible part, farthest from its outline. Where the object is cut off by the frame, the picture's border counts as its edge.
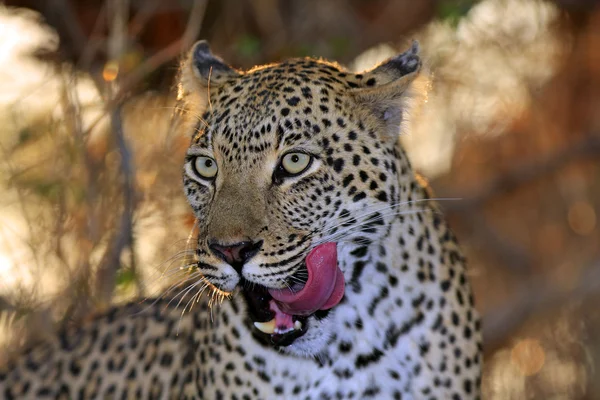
(385, 88)
(201, 71)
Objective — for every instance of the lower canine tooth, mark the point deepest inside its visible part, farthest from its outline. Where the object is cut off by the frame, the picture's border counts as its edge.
(266, 327)
(297, 325)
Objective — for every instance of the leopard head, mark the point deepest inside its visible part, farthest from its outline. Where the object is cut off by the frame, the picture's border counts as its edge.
(291, 167)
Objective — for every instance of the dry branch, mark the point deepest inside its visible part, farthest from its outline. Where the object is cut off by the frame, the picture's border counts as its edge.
(123, 238)
(165, 55)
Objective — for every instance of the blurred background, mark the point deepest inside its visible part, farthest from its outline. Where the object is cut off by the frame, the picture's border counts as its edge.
(92, 212)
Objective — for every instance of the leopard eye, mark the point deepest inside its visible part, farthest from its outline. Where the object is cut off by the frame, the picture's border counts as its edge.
(205, 167)
(295, 163)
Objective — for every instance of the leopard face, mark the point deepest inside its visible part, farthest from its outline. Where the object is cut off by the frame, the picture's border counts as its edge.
(285, 160)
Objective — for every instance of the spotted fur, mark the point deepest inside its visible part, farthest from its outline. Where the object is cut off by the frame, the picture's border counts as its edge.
(406, 327)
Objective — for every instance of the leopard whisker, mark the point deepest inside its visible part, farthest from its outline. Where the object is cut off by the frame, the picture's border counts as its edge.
(192, 276)
(184, 268)
(164, 293)
(183, 256)
(183, 313)
(353, 229)
(358, 227)
(184, 292)
(377, 208)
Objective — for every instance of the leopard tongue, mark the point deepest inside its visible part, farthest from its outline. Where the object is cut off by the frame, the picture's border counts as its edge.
(323, 289)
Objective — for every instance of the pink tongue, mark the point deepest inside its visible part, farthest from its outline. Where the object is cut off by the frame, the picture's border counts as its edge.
(323, 289)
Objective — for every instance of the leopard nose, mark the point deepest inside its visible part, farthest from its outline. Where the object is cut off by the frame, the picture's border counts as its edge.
(236, 254)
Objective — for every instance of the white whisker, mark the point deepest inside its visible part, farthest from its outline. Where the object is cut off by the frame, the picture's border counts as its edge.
(336, 236)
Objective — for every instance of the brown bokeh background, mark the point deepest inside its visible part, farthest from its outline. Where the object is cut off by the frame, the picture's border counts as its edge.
(506, 128)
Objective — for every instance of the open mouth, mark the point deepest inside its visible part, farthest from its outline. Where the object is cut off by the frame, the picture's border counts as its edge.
(281, 315)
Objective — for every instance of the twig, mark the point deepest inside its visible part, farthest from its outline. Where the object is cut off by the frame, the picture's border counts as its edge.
(118, 11)
(165, 55)
(151, 64)
(64, 18)
(123, 238)
(138, 22)
(94, 41)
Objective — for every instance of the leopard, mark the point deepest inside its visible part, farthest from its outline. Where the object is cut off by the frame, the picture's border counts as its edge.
(322, 266)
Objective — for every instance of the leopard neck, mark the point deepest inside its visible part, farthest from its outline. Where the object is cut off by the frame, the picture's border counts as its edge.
(393, 286)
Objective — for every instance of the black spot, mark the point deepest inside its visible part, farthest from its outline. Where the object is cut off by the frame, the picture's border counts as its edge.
(166, 360)
(338, 164)
(445, 285)
(293, 101)
(320, 314)
(74, 367)
(467, 333)
(359, 196)
(363, 360)
(357, 271)
(381, 267)
(44, 391)
(382, 196)
(306, 92)
(345, 347)
(424, 348)
(347, 180)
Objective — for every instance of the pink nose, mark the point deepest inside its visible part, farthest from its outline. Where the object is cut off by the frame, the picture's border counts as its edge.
(236, 254)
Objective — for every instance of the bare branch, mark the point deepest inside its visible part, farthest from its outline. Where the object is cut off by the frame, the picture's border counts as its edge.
(123, 238)
(138, 22)
(95, 40)
(165, 55)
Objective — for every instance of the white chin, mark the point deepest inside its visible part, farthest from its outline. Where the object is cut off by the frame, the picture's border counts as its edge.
(314, 341)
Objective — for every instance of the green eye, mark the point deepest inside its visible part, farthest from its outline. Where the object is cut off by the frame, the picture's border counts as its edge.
(295, 163)
(205, 167)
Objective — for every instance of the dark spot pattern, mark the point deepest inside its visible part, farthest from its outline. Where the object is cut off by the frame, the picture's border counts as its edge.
(406, 326)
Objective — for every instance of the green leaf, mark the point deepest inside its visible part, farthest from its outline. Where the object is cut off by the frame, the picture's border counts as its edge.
(453, 11)
(248, 46)
(47, 189)
(125, 277)
(340, 46)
